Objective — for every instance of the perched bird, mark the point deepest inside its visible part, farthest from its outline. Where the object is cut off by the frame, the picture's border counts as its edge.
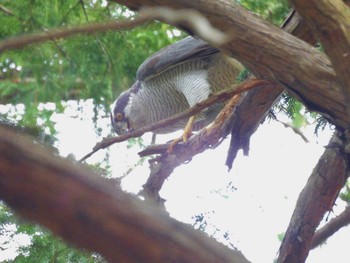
(172, 80)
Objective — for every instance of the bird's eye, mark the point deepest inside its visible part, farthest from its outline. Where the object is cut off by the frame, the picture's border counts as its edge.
(119, 116)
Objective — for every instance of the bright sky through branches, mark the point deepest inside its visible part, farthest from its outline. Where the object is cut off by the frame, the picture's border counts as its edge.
(250, 205)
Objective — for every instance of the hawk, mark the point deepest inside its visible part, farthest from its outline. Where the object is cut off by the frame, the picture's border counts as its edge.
(171, 81)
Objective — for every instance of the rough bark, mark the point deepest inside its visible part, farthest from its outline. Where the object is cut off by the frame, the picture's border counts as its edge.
(330, 20)
(92, 213)
(317, 197)
(271, 53)
(298, 27)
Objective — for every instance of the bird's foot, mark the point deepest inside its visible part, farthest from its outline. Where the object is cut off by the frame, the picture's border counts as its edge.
(183, 138)
(187, 134)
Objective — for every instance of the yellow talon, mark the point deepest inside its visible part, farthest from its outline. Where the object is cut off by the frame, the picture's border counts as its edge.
(187, 134)
(188, 129)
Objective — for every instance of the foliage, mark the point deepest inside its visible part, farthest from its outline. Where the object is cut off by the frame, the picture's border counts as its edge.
(298, 114)
(273, 11)
(345, 193)
(43, 247)
(98, 66)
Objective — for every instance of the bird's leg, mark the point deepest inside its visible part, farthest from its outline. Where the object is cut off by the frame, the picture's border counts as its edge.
(188, 129)
(187, 133)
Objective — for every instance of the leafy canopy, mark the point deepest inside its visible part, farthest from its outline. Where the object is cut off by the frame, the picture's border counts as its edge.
(81, 67)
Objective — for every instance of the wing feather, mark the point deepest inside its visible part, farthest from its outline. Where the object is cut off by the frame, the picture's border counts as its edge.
(179, 52)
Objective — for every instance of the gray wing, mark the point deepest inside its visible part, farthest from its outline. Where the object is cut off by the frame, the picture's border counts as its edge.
(183, 50)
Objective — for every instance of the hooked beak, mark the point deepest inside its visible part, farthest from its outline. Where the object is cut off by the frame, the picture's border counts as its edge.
(121, 127)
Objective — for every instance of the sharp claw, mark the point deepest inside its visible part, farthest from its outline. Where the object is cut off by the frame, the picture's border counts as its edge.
(172, 145)
(187, 134)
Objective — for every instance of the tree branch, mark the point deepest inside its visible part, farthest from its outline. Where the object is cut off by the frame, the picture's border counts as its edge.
(330, 20)
(186, 18)
(6, 10)
(317, 197)
(298, 27)
(331, 227)
(94, 214)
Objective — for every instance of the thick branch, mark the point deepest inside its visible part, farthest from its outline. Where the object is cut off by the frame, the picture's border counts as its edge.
(331, 227)
(297, 26)
(92, 213)
(271, 53)
(330, 20)
(318, 197)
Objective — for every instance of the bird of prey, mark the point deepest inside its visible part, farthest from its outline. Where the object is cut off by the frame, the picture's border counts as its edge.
(172, 80)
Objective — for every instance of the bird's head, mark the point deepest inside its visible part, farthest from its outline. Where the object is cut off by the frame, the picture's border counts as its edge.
(119, 118)
(126, 115)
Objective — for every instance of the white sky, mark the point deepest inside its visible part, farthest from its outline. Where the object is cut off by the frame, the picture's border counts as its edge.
(268, 183)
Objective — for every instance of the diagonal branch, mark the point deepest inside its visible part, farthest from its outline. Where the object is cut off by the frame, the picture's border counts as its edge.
(187, 18)
(216, 98)
(92, 213)
(6, 10)
(321, 235)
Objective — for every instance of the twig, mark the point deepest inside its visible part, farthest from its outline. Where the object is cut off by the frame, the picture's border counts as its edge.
(64, 18)
(25, 40)
(216, 98)
(185, 18)
(6, 10)
(294, 129)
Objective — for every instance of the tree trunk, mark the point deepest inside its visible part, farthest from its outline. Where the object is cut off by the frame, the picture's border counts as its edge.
(318, 197)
